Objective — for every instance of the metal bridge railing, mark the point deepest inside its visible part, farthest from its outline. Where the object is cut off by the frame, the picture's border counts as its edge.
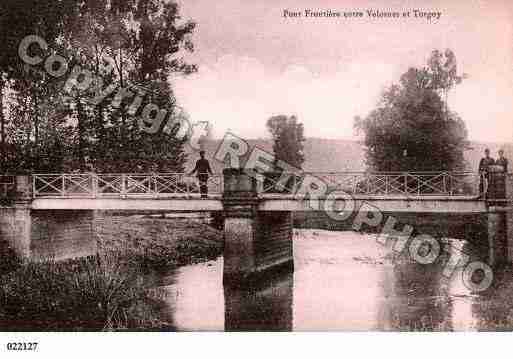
(380, 183)
(92, 185)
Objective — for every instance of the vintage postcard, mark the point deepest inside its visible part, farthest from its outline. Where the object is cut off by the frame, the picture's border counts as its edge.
(309, 165)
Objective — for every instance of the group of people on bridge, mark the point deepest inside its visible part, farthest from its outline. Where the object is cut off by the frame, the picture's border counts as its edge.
(484, 169)
(203, 170)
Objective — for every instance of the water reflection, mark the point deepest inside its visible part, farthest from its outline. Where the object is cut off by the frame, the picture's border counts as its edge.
(493, 310)
(336, 284)
(266, 307)
(342, 281)
(417, 300)
(195, 298)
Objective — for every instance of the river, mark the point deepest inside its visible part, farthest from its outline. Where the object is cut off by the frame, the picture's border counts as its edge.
(342, 281)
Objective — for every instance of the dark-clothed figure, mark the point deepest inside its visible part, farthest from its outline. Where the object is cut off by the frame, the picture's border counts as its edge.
(485, 162)
(502, 161)
(202, 170)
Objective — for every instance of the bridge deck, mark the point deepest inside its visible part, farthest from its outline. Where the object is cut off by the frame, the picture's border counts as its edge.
(432, 204)
(180, 204)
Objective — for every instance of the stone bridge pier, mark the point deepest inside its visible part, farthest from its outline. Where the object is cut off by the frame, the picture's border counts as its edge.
(256, 242)
(500, 216)
(45, 234)
(16, 218)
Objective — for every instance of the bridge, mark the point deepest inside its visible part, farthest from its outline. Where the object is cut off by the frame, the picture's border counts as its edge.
(436, 192)
(257, 207)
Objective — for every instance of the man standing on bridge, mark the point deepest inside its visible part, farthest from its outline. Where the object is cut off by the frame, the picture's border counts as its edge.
(502, 161)
(483, 171)
(202, 169)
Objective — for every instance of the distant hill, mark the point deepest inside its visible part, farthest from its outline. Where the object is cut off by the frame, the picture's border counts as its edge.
(330, 155)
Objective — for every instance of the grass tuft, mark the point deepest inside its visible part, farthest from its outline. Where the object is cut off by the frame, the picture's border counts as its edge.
(102, 292)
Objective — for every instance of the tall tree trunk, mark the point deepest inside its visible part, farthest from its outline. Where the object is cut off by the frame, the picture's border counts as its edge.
(81, 133)
(36, 121)
(2, 125)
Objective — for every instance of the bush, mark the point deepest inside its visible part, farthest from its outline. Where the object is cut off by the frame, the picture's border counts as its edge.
(9, 260)
(95, 293)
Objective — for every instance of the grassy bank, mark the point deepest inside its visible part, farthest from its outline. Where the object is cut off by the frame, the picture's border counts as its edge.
(106, 291)
(8, 261)
(160, 243)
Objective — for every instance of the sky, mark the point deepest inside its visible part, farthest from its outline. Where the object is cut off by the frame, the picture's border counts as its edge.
(254, 62)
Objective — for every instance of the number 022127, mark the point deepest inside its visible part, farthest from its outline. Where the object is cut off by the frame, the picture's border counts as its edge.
(22, 346)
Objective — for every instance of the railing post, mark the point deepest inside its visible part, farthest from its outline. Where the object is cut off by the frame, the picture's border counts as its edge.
(509, 216)
(260, 178)
(123, 185)
(23, 189)
(94, 182)
(496, 185)
(237, 183)
(480, 180)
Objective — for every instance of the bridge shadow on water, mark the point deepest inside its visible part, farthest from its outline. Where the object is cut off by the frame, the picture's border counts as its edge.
(196, 300)
(265, 307)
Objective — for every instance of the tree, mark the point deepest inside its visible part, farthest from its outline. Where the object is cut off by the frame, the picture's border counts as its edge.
(125, 43)
(412, 129)
(19, 18)
(288, 138)
(144, 40)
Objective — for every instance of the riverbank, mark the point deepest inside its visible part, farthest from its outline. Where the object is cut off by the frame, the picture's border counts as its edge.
(106, 291)
(157, 243)
(471, 227)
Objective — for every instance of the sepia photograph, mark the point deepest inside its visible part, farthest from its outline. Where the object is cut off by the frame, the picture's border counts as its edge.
(255, 166)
